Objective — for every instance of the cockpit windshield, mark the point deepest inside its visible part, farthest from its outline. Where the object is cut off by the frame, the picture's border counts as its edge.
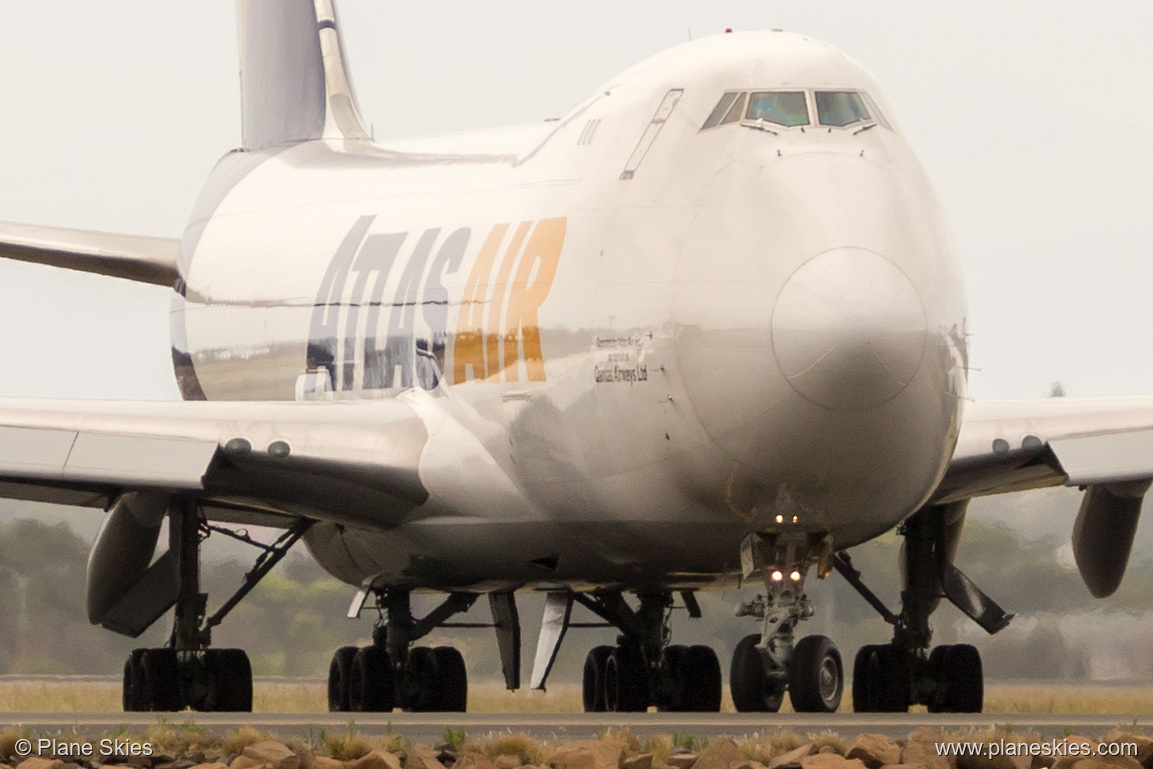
(841, 108)
(792, 109)
(787, 108)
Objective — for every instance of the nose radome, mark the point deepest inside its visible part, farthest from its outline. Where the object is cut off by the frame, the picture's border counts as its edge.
(849, 330)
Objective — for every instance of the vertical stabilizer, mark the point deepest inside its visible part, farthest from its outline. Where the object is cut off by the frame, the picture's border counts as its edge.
(294, 85)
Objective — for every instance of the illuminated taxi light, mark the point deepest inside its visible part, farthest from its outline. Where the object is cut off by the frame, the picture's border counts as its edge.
(794, 519)
(777, 576)
(780, 519)
(795, 576)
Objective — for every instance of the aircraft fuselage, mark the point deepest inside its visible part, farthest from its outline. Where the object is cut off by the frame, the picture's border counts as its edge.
(633, 340)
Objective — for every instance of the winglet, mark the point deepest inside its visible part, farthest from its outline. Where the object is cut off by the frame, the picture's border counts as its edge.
(294, 84)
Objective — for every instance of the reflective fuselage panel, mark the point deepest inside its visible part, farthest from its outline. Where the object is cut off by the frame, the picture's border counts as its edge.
(633, 340)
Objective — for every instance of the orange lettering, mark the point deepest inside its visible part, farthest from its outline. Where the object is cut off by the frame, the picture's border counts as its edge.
(497, 362)
(468, 348)
(542, 255)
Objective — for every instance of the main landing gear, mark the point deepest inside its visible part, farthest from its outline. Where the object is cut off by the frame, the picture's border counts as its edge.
(888, 678)
(643, 668)
(390, 673)
(187, 673)
(767, 664)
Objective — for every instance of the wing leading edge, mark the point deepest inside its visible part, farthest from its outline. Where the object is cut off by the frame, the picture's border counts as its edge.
(1103, 446)
(350, 462)
(1007, 446)
(131, 257)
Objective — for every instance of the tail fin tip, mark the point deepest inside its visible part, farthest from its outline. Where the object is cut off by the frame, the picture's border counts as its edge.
(294, 78)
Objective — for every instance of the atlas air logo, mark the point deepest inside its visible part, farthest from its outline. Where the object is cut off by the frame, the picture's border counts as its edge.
(392, 311)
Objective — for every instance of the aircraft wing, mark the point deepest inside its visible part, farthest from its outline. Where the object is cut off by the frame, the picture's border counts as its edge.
(132, 257)
(247, 462)
(1015, 445)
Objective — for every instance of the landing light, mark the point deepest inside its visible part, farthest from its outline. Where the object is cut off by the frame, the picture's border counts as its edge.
(780, 519)
(777, 576)
(795, 576)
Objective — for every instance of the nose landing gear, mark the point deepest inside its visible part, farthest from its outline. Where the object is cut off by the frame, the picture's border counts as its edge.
(768, 664)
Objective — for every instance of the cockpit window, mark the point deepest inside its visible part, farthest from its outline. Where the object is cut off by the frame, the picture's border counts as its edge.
(735, 112)
(728, 110)
(841, 108)
(787, 108)
(720, 110)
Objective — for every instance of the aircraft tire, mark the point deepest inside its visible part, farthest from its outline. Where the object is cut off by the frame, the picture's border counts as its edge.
(161, 679)
(133, 691)
(865, 695)
(338, 678)
(671, 696)
(371, 684)
(960, 680)
(424, 674)
(752, 690)
(880, 680)
(452, 691)
(816, 676)
(593, 680)
(626, 680)
(229, 680)
(700, 673)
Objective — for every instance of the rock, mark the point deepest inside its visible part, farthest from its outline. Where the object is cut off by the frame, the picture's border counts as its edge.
(996, 762)
(874, 750)
(905, 766)
(211, 765)
(792, 759)
(682, 760)
(921, 748)
(750, 764)
(639, 761)
(720, 754)
(377, 759)
(593, 754)
(470, 759)
(1098, 762)
(505, 761)
(1144, 747)
(40, 763)
(830, 761)
(419, 757)
(269, 754)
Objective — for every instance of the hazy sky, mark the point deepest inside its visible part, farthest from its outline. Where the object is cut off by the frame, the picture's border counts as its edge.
(1034, 118)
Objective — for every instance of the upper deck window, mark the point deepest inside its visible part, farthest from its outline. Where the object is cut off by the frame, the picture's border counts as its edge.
(787, 108)
(841, 108)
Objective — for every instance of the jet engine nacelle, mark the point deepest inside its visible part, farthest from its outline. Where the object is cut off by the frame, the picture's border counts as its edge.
(1103, 534)
(123, 550)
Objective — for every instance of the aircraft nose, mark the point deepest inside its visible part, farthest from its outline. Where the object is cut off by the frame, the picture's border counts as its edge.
(849, 330)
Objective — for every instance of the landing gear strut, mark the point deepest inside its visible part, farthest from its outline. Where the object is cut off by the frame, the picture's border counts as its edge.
(187, 673)
(643, 668)
(768, 663)
(391, 673)
(888, 678)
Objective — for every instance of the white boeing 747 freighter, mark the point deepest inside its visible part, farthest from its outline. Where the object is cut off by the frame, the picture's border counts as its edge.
(706, 328)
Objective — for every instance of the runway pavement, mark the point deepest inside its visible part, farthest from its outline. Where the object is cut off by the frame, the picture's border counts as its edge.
(430, 727)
